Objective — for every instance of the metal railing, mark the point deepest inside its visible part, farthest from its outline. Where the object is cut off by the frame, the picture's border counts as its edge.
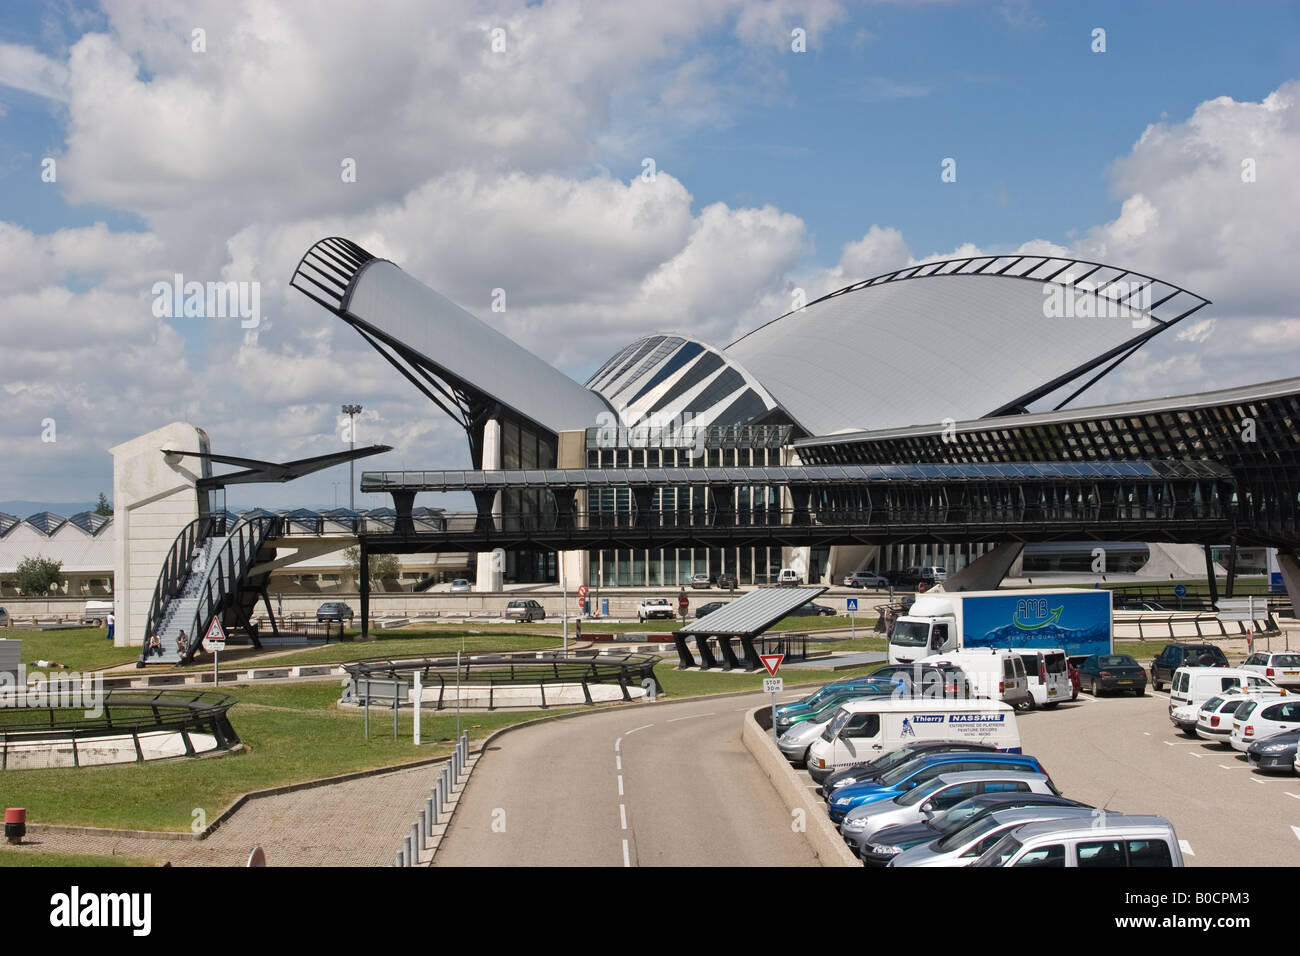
(125, 712)
(176, 568)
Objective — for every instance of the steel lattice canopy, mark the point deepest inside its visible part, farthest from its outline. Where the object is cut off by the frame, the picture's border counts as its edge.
(754, 613)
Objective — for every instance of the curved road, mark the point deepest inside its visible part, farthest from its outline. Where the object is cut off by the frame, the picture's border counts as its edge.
(662, 784)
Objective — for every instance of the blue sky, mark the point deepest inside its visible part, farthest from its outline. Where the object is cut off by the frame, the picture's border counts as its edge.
(477, 174)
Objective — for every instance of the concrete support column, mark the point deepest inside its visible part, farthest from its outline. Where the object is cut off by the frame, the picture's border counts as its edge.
(491, 574)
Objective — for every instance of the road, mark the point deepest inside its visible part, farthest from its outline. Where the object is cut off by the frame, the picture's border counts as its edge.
(1123, 753)
(658, 784)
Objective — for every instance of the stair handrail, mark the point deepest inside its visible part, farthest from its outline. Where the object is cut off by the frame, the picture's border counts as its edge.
(243, 543)
(176, 568)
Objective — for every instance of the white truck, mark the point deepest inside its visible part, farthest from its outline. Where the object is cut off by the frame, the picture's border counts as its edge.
(652, 608)
(1078, 620)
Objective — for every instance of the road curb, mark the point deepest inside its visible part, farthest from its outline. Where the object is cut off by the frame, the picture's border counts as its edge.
(821, 833)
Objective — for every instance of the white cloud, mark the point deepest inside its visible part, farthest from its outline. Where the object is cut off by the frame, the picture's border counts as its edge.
(23, 68)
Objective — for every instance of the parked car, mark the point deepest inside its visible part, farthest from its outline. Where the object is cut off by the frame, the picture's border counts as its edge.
(334, 611)
(1274, 753)
(656, 609)
(525, 610)
(1263, 718)
(996, 673)
(820, 610)
(1214, 717)
(5, 619)
(1281, 668)
(728, 581)
(1105, 840)
(926, 680)
(923, 770)
(789, 577)
(938, 796)
(460, 584)
(827, 705)
(886, 843)
(709, 608)
(1175, 656)
(895, 758)
(701, 580)
(975, 839)
(861, 579)
(1193, 686)
(1047, 671)
(1104, 673)
(1075, 680)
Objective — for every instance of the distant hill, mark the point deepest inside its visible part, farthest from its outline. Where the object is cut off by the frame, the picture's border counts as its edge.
(65, 509)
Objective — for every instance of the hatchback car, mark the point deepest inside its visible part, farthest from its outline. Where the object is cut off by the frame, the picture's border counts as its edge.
(820, 610)
(1274, 753)
(1281, 668)
(975, 839)
(1107, 673)
(888, 842)
(526, 611)
(709, 608)
(334, 611)
(860, 579)
(701, 581)
(1175, 656)
(728, 581)
(936, 797)
(460, 584)
(828, 701)
(922, 770)
(1263, 718)
(895, 758)
(1214, 718)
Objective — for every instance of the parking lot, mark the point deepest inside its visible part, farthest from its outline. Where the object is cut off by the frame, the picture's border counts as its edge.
(1124, 754)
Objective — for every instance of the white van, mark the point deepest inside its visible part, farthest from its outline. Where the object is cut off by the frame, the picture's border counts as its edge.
(1193, 686)
(992, 672)
(1048, 673)
(789, 577)
(867, 728)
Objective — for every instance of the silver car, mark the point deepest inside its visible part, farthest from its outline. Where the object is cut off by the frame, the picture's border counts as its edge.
(1107, 840)
(968, 844)
(794, 743)
(935, 796)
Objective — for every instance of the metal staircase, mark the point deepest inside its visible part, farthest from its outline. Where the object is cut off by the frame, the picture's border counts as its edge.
(206, 574)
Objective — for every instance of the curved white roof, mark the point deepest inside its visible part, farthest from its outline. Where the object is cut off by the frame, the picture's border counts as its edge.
(402, 309)
(952, 340)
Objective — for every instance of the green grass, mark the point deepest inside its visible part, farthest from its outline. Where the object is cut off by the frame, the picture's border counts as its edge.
(294, 734)
(677, 683)
(80, 649)
(34, 858)
(399, 644)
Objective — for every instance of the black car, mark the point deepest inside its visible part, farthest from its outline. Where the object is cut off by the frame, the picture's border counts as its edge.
(333, 611)
(810, 608)
(882, 765)
(1112, 672)
(1274, 753)
(900, 838)
(709, 608)
(1175, 656)
(728, 581)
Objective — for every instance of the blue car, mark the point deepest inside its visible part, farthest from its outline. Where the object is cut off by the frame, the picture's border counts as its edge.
(835, 695)
(821, 697)
(921, 770)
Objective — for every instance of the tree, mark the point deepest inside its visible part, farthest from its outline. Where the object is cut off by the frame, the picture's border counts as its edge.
(382, 566)
(35, 576)
(105, 507)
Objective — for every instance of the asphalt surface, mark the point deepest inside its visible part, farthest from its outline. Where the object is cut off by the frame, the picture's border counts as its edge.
(655, 784)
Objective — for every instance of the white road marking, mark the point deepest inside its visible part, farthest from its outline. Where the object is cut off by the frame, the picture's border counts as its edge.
(687, 717)
(1226, 767)
(1182, 743)
(1146, 733)
(1187, 847)
(617, 744)
(618, 762)
(1296, 831)
(620, 785)
(626, 859)
(1197, 756)
(1256, 780)
(1290, 794)
(635, 729)
(622, 814)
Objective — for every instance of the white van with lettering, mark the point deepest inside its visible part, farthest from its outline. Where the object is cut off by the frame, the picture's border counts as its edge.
(996, 673)
(867, 728)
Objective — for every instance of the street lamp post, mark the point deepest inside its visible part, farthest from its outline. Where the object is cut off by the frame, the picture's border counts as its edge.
(352, 411)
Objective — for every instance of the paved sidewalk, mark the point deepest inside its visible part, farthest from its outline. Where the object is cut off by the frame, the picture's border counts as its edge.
(356, 823)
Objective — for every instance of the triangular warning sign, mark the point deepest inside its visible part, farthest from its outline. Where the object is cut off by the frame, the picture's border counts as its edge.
(215, 631)
(772, 662)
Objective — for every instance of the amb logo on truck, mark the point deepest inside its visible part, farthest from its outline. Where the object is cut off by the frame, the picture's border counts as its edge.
(1032, 614)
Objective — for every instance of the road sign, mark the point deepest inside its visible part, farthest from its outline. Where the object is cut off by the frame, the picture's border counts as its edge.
(1240, 609)
(851, 604)
(582, 593)
(216, 636)
(772, 662)
(683, 604)
(1180, 590)
(773, 685)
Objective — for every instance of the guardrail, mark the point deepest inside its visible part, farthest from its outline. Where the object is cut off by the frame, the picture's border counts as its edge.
(418, 840)
(1160, 625)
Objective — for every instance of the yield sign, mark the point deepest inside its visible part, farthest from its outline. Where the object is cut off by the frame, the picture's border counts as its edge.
(772, 662)
(215, 631)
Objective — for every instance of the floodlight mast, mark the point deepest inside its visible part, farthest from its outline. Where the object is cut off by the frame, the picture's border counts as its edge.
(352, 411)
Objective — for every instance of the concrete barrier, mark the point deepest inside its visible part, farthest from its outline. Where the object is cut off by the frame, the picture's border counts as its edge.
(820, 831)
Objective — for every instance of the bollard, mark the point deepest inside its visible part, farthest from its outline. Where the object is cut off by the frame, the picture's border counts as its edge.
(407, 849)
(397, 860)
(417, 842)
(436, 797)
(15, 824)
(430, 817)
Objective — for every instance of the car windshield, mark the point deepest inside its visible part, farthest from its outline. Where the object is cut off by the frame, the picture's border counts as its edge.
(890, 761)
(1116, 660)
(957, 817)
(967, 834)
(1245, 709)
(899, 774)
(910, 633)
(1281, 660)
(1212, 704)
(999, 853)
(913, 797)
(834, 726)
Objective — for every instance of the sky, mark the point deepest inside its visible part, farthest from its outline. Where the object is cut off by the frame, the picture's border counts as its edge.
(617, 169)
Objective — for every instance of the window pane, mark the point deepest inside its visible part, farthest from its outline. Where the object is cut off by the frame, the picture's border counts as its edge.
(1103, 853)
(1053, 855)
(1149, 853)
